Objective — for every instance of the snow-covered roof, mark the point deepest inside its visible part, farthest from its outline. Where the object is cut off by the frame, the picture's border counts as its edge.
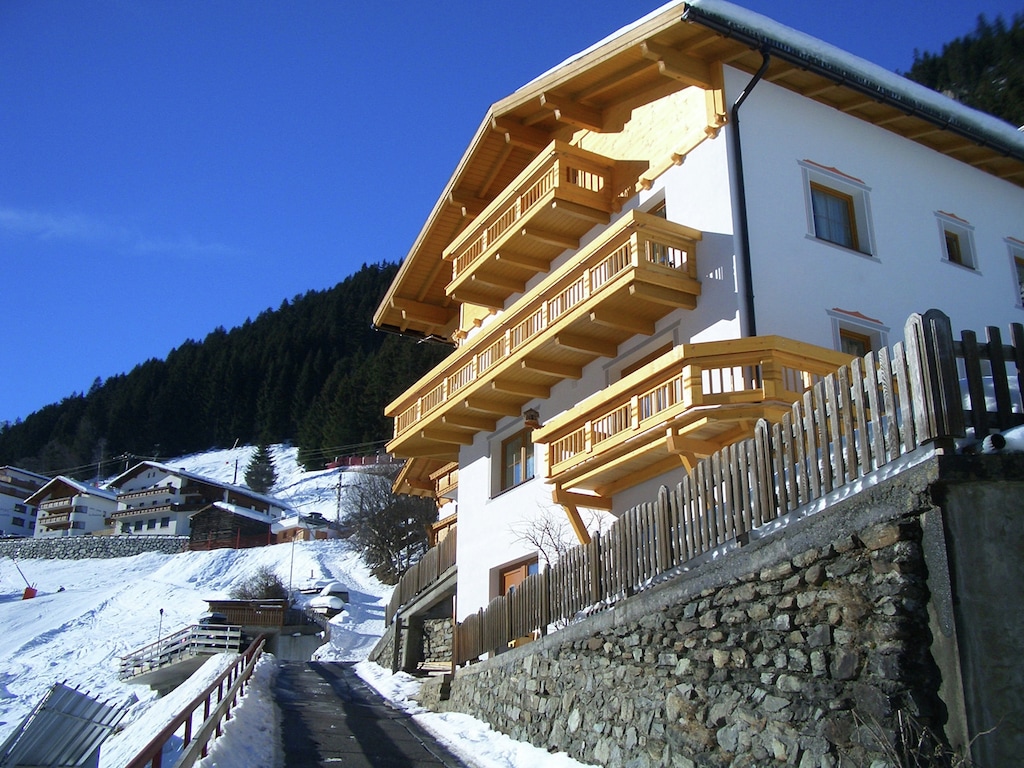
(77, 486)
(178, 472)
(852, 71)
(235, 509)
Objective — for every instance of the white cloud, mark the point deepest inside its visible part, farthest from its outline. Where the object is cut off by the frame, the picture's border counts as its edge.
(87, 230)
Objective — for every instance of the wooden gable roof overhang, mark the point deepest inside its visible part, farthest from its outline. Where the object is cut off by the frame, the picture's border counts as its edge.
(680, 45)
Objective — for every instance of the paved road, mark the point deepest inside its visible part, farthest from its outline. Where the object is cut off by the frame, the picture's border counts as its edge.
(332, 718)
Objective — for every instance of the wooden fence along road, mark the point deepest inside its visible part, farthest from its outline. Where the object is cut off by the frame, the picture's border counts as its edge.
(926, 391)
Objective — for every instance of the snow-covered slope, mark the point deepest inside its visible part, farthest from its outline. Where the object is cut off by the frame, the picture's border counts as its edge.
(88, 613)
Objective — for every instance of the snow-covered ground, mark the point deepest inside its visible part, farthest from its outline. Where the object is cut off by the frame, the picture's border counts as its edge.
(88, 613)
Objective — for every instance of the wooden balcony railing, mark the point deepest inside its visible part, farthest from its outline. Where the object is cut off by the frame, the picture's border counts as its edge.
(64, 501)
(694, 399)
(434, 564)
(581, 312)
(544, 211)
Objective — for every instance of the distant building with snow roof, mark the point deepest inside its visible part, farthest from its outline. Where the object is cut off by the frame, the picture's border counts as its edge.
(69, 507)
(153, 498)
(17, 516)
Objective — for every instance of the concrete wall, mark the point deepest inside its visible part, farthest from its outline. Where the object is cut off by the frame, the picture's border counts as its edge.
(801, 647)
(83, 547)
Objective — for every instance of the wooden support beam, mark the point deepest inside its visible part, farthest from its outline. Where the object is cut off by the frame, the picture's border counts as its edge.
(469, 296)
(551, 238)
(678, 66)
(522, 260)
(420, 485)
(562, 496)
(522, 389)
(470, 205)
(573, 513)
(548, 368)
(520, 135)
(481, 277)
(434, 451)
(499, 163)
(659, 294)
(469, 421)
(417, 311)
(630, 323)
(447, 436)
(483, 405)
(587, 344)
(584, 212)
(655, 468)
(567, 111)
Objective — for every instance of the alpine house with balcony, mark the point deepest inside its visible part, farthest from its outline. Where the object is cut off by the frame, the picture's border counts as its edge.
(664, 239)
(68, 507)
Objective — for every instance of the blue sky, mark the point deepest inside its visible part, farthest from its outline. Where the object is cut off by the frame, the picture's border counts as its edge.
(167, 167)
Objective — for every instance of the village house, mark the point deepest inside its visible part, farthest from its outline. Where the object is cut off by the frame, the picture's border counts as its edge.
(69, 507)
(662, 240)
(17, 515)
(155, 499)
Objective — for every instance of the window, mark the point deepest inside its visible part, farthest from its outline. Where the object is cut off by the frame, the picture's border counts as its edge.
(138, 525)
(833, 216)
(957, 240)
(20, 508)
(516, 460)
(853, 343)
(512, 576)
(151, 524)
(1016, 248)
(837, 207)
(165, 522)
(18, 522)
(855, 333)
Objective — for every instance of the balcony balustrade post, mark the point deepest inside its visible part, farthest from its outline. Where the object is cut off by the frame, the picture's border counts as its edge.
(634, 412)
(771, 378)
(693, 392)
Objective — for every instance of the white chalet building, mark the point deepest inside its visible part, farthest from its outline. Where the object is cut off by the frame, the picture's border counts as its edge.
(153, 498)
(656, 243)
(68, 507)
(17, 515)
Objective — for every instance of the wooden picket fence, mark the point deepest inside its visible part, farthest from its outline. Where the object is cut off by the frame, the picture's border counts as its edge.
(421, 576)
(926, 391)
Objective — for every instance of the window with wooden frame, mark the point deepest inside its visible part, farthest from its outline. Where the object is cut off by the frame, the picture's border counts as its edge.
(511, 576)
(834, 216)
(957, 240)
(516, 460)
(837, 208)
(1016, 248)
(853, 343)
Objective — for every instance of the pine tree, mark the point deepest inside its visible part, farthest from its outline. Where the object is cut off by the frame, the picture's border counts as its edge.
(260, 474)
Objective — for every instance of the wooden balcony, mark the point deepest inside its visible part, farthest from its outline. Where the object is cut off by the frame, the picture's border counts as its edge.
(550, 205)
(635, 273)
(64, 502)
(685, 405)
(56, 520)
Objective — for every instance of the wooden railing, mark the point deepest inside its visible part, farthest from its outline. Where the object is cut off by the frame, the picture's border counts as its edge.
(866, 415)
(744, 371)
(563, 170)
(216, 703)
(656, 246)
(423, 575)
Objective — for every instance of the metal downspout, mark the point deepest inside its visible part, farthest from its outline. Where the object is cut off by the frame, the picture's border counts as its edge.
(748, 321)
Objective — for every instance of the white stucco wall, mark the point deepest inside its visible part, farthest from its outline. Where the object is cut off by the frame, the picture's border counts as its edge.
(797, 278)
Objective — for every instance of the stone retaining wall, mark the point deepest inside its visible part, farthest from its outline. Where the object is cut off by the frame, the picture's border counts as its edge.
(84, 547)
(803, 648)
(438, 640)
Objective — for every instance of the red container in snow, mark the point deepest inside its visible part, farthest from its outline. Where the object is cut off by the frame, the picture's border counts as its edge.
(29, 593)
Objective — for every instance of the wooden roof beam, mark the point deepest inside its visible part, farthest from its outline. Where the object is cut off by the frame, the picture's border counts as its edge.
(612, 81)
(567, 111)
(480, 299)
(519, 135)
(499, 163)
(417, 311)
(678, 66)
(470, 206)
(498, 281)
(447, 436)
(660, 294)
(496, 407)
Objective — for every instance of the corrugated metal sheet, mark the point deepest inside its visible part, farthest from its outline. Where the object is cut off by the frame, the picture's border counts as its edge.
(64, 730)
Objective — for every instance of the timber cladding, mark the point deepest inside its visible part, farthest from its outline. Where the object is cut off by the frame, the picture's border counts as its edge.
(810, 651)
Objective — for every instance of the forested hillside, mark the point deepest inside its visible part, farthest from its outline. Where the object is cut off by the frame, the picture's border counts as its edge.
(312, 372)
(984, 69)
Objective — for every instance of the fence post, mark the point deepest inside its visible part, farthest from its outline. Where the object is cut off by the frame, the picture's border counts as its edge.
(938, 403)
